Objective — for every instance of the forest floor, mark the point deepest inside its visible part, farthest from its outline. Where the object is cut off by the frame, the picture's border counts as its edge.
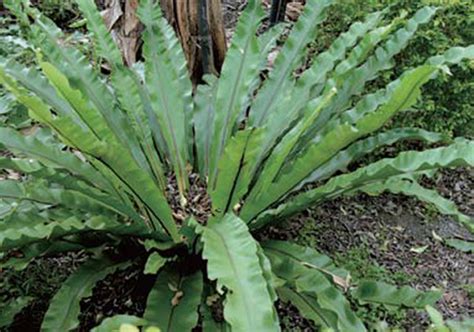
(390, 238)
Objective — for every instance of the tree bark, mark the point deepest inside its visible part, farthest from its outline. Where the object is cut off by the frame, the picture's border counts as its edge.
(200, 28)
(277, 13)
(198, 24)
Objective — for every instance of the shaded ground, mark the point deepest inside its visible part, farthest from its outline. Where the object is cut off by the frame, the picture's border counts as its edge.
(40, 280)
(122, 292)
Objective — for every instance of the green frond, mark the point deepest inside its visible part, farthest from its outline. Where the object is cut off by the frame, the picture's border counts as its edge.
(62, 197)
(204, 112)
(82, 76)
(461, 153)
(412, 188)
(33, 81)
(362, 51)
(234, 86)
(173, 302)
(103, 42)
(454, 55)
(134, 100)
(294, 100)
(308, 307)
(309, 285)
(282, 251)
(22, 229)
(125, 169)
(287, 60)
(338, 138)
(52, 157)
(232, 260)
(379, 292)
(165, 90)
(235, 170)
(365, 146)
(127, 87)
(279, 155)
(324, 62)
(381, 59)
(93, 121)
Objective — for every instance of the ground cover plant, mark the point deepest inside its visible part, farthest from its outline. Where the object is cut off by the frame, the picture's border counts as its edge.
(134, 164)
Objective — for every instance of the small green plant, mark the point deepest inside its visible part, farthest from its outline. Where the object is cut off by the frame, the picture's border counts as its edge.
(454, 23)
(60, 11)
(438, 324)
(140, 167)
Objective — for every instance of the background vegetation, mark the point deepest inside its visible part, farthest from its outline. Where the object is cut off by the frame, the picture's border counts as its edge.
(451, 113)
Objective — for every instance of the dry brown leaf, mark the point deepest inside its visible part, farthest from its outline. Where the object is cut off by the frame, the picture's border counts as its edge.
(293, 10)
(343, 283)
(176, 298)
(210, 300)
(13, 175)
(112, 14)
(178, 216)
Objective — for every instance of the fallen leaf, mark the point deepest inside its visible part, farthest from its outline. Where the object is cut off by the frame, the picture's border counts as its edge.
(176, 298)
(293, 10)
(112, 14)
(436, 236)
(211, 299)
(343, 283)
(461, 245)
(419, 250)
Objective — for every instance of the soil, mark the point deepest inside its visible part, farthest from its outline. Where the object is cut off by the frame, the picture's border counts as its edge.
(198, 202)
(41, 279)
(232, 9)
(123, 292)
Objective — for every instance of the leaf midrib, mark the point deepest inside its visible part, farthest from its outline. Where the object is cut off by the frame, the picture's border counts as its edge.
(232, 101)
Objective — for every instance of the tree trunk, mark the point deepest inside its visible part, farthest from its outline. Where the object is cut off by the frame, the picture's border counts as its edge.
(277, 13)
(198, 24)
(200, 28)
